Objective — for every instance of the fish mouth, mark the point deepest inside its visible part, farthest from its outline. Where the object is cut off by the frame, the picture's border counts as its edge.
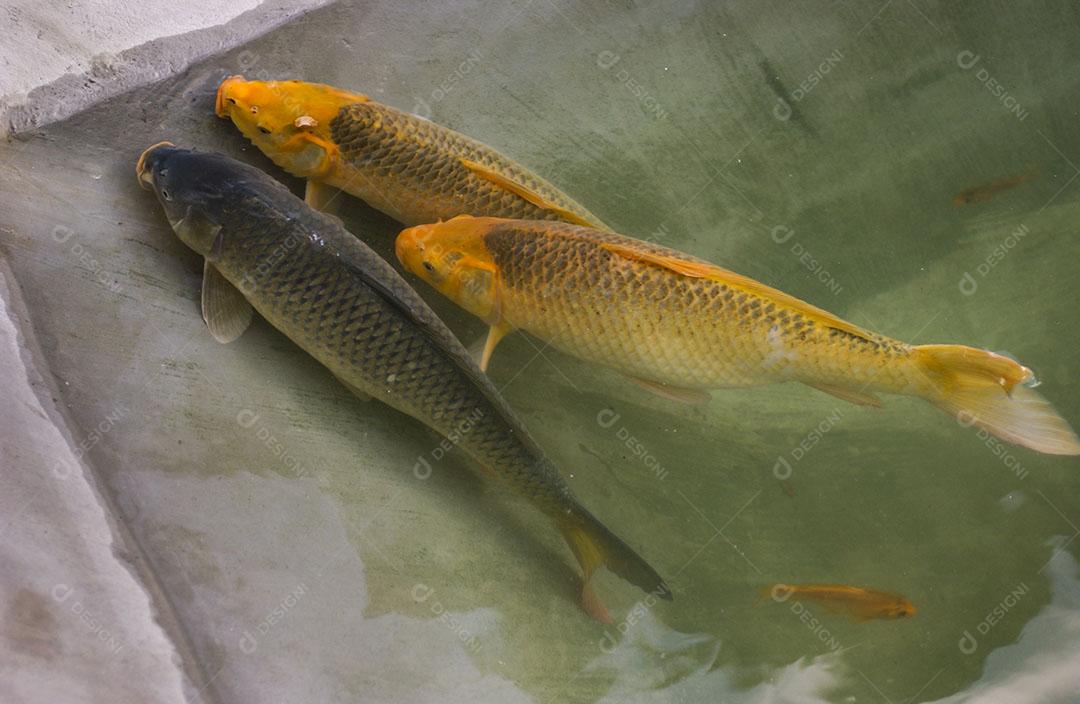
(221, 109)
(146, 179)
(409, 241)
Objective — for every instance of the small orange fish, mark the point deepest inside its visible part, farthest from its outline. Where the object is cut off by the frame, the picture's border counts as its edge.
(860, 603)
(981, 194)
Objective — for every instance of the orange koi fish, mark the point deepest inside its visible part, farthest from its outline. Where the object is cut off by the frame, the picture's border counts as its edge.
(981, 194)
(679, 325)
(859, 603)
(410, 168)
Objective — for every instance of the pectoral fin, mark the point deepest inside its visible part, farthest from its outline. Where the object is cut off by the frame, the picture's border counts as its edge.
(319, 195)
(859, 398)
(525, 192)
(313, 155)
(673, 393)
(226, 312)
(495, 334)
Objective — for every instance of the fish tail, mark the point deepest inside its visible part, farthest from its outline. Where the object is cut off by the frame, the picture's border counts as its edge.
(994, 393)
(594, 545)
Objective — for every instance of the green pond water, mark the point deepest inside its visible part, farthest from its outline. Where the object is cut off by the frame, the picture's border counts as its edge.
(816, 147)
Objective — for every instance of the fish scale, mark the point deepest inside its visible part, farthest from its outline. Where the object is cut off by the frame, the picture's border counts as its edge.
(344, 305)
(682, 331)
(403, 162)
(680, 325)
(366, 341)
(412, 169)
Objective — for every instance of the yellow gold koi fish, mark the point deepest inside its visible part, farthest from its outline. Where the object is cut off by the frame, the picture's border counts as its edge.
(679, 325)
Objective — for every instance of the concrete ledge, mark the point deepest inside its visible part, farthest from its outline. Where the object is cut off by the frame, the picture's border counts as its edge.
(62, 60)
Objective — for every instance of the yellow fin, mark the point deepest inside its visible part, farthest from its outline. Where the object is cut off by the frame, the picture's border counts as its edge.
(319, 195)
(859, 398)
(694, 397)
(593, 606)
(226, 312)
(594, 545)
(495, 334)
(704, 270)
(528, 194)
(994, 393)
(314, 156)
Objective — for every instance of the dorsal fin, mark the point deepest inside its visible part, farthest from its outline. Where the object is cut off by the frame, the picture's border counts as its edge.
(704, 270)
(525, 192)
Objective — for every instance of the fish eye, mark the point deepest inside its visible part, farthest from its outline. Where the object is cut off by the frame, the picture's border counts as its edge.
(428, 267)
(231, 100)
(263, 130)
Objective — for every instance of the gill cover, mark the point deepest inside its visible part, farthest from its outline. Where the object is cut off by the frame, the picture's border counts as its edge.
(452, 257)
(225, 310)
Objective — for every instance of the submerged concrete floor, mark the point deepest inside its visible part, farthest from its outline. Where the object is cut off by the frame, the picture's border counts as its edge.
(283, 544)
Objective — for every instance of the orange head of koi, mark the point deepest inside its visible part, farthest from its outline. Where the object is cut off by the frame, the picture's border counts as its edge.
(452, 257)
(289, 121)
(897, 608)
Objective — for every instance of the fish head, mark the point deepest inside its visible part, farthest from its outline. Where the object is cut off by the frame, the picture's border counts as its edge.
(452, 257)
(289, 121)
(190, 186)
(898, 608)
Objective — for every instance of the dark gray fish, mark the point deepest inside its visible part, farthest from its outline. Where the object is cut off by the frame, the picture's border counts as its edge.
(264, 248)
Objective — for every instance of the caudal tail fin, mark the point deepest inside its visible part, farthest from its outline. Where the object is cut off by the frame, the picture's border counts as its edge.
(994, 393)
(594, 545)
